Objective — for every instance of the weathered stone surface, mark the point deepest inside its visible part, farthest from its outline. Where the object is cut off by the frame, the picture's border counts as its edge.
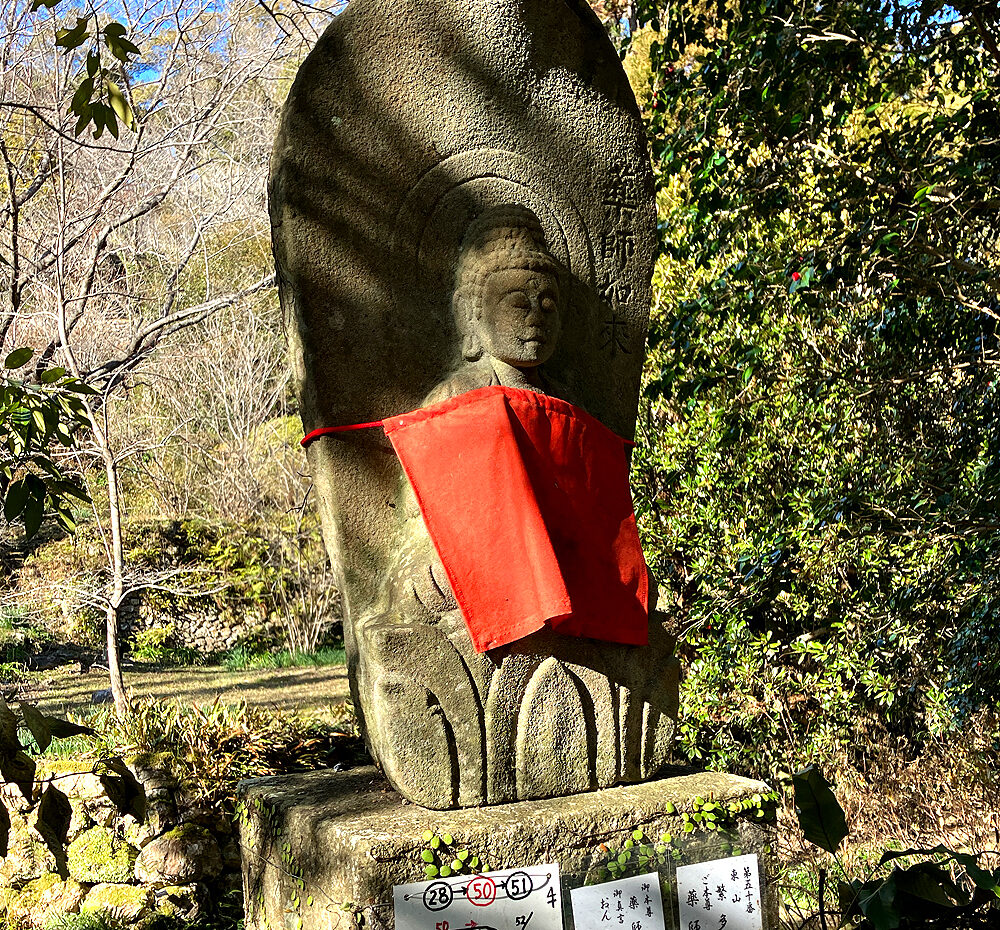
(127, 903)
(183, 902)
(88, 798)
(97, 855)
(345, 839)
(407, 124)
(188, 853)
(43, 900)
(28, 857)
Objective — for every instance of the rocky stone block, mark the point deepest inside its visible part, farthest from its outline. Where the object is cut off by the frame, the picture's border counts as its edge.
(120, 902)
(181, 902)
(188, 853)
(328, 847)
(28, 857)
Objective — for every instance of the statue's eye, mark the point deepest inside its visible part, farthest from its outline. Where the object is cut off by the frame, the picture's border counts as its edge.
(549, 303)
(519, 300)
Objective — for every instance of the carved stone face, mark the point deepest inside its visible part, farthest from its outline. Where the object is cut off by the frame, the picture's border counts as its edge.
(520, 322)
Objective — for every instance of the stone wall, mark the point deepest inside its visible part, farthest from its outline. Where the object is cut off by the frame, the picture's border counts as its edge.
(176, 861)
(196, 623)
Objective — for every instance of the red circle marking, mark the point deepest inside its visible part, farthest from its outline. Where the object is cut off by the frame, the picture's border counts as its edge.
(482, 891)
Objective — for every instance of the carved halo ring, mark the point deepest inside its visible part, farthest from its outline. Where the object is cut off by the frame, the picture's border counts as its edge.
(432, 220)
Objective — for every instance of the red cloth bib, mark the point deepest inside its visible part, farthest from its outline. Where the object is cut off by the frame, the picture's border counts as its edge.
(527, 501)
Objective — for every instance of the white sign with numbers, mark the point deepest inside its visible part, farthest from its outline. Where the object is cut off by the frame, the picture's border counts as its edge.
(722, 894)
(626, 904)
(512, 899)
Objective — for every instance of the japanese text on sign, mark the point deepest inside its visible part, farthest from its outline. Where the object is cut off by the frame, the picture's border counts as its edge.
(629, 904)
(513, 899)
(720, 895)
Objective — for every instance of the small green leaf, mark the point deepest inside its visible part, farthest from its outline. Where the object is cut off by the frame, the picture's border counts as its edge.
(19, 769)
(446, 839)
(81, 99)
(119, 104)
(54, 814)
(121, 787)
(18, 357)
(34, 510)
(427, 836)
(38, 416)
(75, 37)
(17, 497)
(427, 855)
(52, 374)
(38, 724)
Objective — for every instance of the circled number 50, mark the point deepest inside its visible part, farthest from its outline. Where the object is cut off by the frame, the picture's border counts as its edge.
(482, 891)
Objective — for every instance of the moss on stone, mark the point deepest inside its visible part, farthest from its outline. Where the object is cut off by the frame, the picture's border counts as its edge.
(97, 855)
(44, 900)
(117, 901)
(7, 897)
(27, 857)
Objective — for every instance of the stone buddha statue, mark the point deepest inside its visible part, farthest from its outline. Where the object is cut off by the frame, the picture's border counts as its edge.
(507, 303)
(546, 714)
(462, 203)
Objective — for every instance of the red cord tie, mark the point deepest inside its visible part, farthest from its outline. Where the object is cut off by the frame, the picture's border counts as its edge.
(330, 430)
(333, 430)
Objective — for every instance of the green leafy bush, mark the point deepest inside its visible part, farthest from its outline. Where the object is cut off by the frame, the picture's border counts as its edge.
(818, 471)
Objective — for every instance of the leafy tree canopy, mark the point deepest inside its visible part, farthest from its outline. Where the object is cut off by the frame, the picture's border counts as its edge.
(821, 465)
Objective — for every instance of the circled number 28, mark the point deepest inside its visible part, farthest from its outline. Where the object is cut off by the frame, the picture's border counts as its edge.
(437, 896)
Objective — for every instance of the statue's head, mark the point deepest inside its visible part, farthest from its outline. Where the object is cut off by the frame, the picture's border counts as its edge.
(507, 298)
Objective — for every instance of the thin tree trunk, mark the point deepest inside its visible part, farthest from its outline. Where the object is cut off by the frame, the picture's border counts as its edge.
(116, 595)
(116, 551)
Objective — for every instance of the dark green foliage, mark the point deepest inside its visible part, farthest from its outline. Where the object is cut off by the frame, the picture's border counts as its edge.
(942, 888)
(98, 100)
(34, 418)
(819, 468)
(820, 814)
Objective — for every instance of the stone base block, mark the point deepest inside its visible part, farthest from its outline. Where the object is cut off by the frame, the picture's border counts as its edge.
(322, 850)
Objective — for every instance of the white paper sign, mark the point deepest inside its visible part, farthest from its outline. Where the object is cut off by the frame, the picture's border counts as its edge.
(512, 899)
(626, 904)
(723, 894)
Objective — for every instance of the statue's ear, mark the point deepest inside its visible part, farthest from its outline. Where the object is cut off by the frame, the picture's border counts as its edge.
(462, 307)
